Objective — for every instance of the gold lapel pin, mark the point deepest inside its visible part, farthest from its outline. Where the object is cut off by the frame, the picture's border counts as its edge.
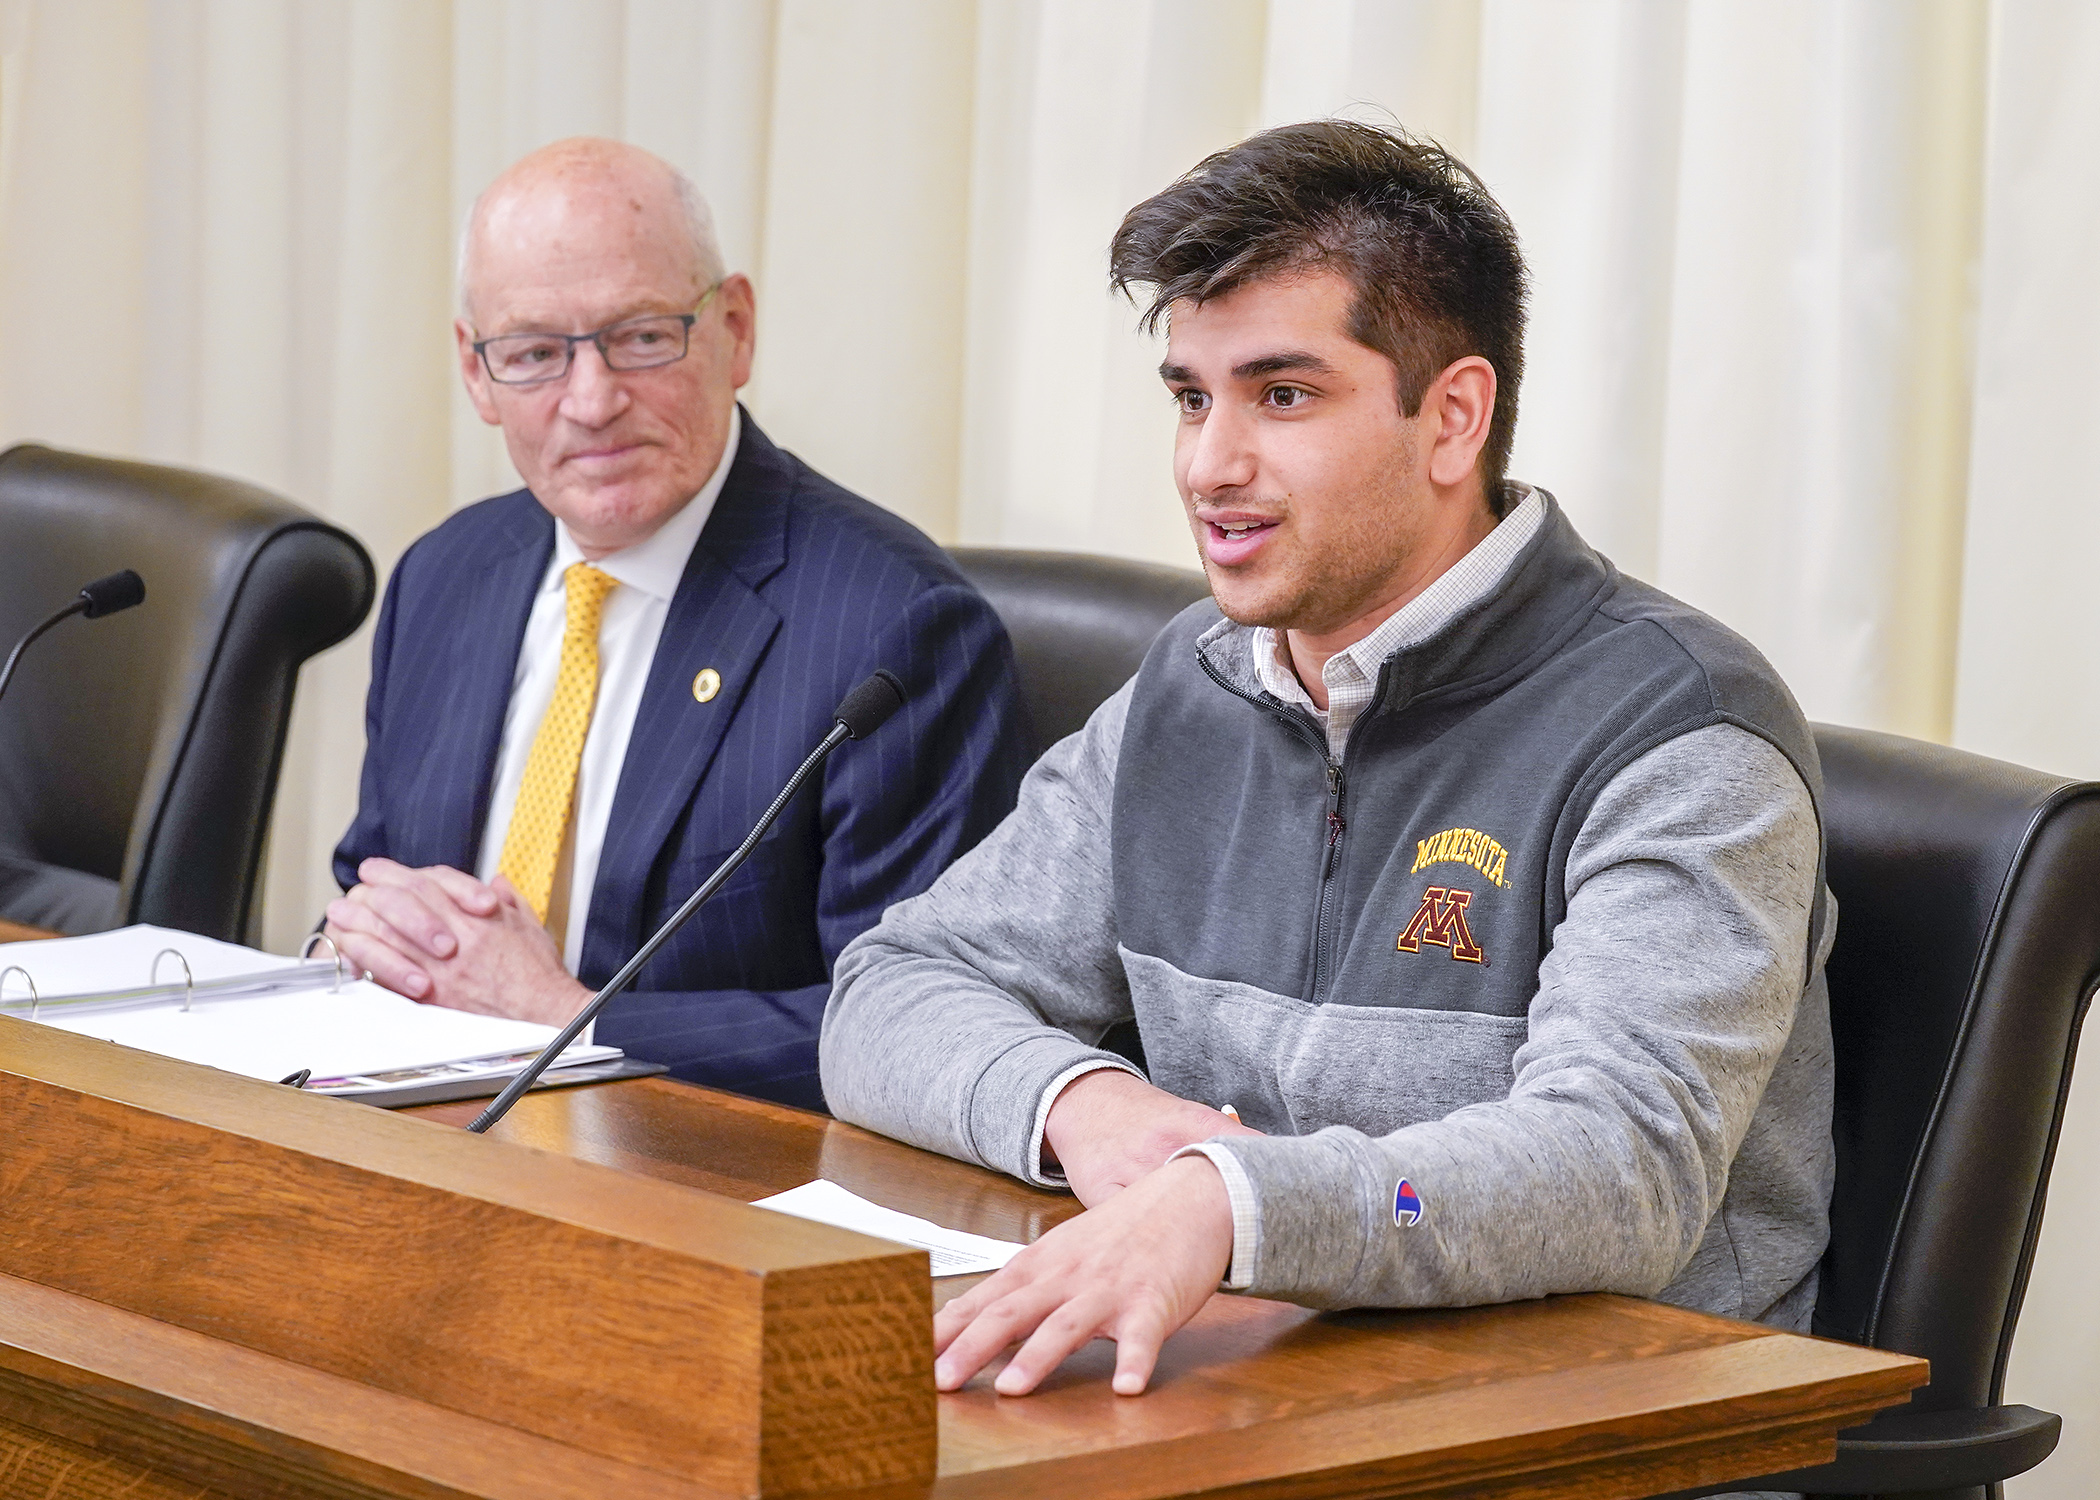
(706, 685)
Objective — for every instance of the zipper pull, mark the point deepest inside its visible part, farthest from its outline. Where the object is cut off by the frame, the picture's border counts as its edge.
(1334, 815)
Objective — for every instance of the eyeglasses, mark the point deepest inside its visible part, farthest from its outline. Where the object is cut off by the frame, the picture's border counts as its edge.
(631, 344)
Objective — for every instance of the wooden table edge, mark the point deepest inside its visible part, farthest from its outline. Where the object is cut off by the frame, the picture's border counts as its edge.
(1451, 1433)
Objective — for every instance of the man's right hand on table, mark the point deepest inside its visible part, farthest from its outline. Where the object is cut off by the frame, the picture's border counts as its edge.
(1108, 1128)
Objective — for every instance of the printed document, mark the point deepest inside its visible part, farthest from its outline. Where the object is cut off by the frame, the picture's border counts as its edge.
(952, 1252)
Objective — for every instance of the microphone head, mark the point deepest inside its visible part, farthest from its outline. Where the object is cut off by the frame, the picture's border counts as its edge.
(869, 706)
(105, 596)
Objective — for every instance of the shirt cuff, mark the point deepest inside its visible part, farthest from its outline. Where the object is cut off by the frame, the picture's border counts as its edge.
(1043, 1176)
(1246, 1223)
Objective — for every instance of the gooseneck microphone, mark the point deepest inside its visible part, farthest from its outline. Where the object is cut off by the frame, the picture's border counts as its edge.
(105, 596)
(864, 711)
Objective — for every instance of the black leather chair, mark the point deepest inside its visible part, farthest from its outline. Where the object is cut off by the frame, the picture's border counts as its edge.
(1968, 949)
(139, 753)
(1080, 625)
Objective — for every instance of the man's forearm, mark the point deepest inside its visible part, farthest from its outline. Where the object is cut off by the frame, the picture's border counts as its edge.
(923, 1050)
(951, 1019)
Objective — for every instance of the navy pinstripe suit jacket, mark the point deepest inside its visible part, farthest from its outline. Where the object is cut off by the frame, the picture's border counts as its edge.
(796, 591)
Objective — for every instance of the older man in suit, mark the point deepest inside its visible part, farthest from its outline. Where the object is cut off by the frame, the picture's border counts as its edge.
(585, 692)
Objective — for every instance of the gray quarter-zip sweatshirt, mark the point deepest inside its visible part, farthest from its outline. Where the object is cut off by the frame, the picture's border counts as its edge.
(1526, 988)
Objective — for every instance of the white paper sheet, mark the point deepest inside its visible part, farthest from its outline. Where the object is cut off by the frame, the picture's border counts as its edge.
(360, 1030)
(952, 1252)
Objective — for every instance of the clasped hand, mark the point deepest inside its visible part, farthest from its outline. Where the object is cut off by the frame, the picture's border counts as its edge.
(1151, 1248)
(438, 935)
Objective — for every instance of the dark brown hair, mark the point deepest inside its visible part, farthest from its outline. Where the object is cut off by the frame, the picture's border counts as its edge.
(1432, 256)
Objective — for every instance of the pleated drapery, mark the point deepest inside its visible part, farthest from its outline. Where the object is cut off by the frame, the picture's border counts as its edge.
(1812, 332)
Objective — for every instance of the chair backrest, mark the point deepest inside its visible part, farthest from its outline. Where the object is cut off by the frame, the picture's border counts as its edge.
(143, 749)
(1080, 624)
(1968, 946)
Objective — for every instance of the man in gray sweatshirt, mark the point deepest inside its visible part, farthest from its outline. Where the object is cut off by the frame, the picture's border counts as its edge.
(1481, 882)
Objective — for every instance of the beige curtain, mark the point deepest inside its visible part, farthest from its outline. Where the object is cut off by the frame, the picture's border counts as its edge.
(1812, 340)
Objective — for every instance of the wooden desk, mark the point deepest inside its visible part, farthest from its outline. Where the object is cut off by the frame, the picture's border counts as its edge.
(14, 932)
(1570, 1397)
(215, 1288)
(1573, 1396)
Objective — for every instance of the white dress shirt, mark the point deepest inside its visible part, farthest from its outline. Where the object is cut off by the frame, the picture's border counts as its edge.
(648, 575)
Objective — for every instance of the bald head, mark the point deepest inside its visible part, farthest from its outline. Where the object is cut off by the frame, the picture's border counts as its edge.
(623, 193)
(600, 258)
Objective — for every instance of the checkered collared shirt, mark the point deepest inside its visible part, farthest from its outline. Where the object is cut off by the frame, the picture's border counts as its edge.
(1351, 674)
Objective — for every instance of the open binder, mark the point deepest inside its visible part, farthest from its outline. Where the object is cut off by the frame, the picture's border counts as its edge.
(270, 1017)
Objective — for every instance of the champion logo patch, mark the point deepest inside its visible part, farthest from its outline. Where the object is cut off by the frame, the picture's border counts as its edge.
(1407, 1205)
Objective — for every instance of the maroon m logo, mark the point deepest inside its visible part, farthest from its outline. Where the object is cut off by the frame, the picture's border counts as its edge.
(1441, 919)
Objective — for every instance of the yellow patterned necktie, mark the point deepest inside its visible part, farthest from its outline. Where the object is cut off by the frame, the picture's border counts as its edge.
(539, 824)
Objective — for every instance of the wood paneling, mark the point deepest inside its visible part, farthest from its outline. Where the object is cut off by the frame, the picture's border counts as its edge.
(620, 1314)
(50, 1468)
(187, 1408)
